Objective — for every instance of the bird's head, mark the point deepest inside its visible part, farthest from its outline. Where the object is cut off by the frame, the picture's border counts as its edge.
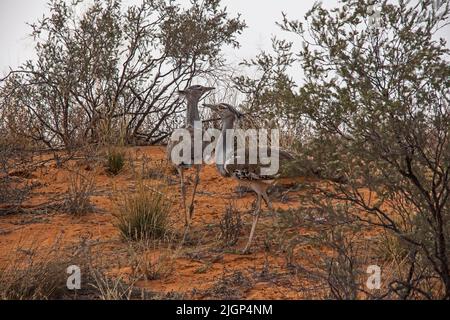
(195, 92)
(225, 111)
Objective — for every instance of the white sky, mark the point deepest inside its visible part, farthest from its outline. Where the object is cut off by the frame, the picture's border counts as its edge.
(260, 16)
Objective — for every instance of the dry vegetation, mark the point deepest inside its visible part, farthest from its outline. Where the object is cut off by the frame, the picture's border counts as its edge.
(128, 243)
(84, 178)
(144, 214)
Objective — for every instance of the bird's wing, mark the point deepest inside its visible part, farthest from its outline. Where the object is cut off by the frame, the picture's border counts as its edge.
(240, 166)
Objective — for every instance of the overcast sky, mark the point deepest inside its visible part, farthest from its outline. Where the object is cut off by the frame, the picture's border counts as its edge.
(260, 16)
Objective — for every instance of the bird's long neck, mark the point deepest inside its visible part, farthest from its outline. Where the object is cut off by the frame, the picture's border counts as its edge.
(222, 146)
(192, 113)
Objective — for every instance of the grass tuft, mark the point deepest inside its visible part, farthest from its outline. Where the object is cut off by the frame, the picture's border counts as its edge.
(143, 215)
(230, 226)
(115, 161)
(78, 195)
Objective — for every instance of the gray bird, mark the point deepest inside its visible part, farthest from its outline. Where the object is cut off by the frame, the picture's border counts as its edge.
(248, 174)
(193, 95)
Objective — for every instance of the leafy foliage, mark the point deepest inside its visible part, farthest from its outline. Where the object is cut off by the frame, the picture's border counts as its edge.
(375, 96)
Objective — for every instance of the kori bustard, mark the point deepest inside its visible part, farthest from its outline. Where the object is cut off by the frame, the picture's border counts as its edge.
(193, 95)
(230, 164)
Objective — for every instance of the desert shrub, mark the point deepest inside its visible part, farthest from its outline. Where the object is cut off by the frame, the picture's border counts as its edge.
(34, 274)
(5, 179)
(389, 247)
(16, 166)
(230, 286)
(60, 110)
(115, 161)
(153, 170)
(143, 214)
(79, 193)
(382, 118)
(108, 288)
(332, 255)
(37, 281)
(145, 167)
(230, 226)
(91, 157)
(148, 265)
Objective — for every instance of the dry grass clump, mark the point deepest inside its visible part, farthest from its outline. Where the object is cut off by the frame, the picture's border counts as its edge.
(143, 214)
(151, 265)
(33, 274)
(230, 226)
(230, 286)
(78, 195)
(115, 161)
(108, 288)
(157, 169)
(144, 168)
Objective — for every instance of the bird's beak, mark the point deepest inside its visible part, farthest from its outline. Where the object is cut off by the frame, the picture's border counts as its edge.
(182, 92)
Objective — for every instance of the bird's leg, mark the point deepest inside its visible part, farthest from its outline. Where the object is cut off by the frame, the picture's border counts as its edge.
(268, 203)
(185, 233)
(255, 221)
(196, 181)
(183, 194)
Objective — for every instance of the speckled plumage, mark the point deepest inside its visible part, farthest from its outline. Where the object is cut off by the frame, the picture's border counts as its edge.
(245, 172)
(192, 95)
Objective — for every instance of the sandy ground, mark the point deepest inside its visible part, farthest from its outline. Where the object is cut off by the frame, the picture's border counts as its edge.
(201, 269)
